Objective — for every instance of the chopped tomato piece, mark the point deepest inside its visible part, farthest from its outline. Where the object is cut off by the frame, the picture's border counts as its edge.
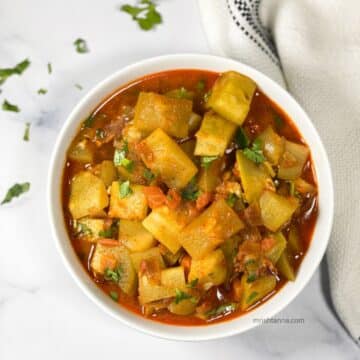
(203, 200)
(173, 199)
(108, 242)
(155, 196)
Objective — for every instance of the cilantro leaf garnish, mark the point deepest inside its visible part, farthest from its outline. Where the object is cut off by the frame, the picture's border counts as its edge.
(113, 275)
(109, 232)
(251, 297)
(148, 175)
(206, 161)
(222, 309)
(83, 229)
(114, 295)
(191, 191)
(255, 153)
(42, 91)
(49, 68)
(145, 15)
(124, 189)
(15, 191)
(181, 295)
(231, 199)
(89, 121)
(241, 139)
(201, 85)
(6, 106)
(26, 136)
(16, 70)
(81, 46)
(120, 158)
(193, 283)
(279, 122)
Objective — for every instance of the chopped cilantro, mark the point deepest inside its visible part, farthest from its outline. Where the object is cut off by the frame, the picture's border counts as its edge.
(255, 153)
(191, 191)
(120, 158)
(193, 283)
(114, 295)
(6, 106)
(251, 297)
(241, 139)
(78, 86)
(279, 122)
(222, 309)
(83, 229)
(42, 91)
(109, 232)
(113, 275)
(15, 191)
(206, 161)
(251, 278)
(207, 96)
(181, 295)
(145, 15)
(16, 70)
(201, 85)
(124, 189)
(231, 199)
(89, 121)
(49, 68)
(148, 175)
(26, 136)
(81, 46)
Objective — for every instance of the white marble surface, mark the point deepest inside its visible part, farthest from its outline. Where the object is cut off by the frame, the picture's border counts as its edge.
(43, 314)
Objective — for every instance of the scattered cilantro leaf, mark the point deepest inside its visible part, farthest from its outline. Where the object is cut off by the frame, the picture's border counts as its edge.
(113, 275)
(222, 309)
(279, 122)
(231, 199)
(191, 191)
(125, 189)
(81, 46)
(148, 175)
(114, 295)
(251, 297)
(6, 106)
(241, 139)
(181, 295)
(207, 96)
(145, 15)
(89, 121)
(120, 158)
(251, 278)
(42, 91)
(83, 229)
(255, 153)
(26, 136)
(193, 283)
(206, 161)
(49, 68)
(201, 85)
(15, 191)
(78, 86)
(16, 70)
(109, 232)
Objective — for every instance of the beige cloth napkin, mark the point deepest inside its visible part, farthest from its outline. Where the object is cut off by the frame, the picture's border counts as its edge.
(312, 46)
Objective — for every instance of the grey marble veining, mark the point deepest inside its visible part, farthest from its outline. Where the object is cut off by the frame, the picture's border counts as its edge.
(43, 314)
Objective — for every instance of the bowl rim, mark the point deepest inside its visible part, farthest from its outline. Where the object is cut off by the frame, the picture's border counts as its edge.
(287, 103)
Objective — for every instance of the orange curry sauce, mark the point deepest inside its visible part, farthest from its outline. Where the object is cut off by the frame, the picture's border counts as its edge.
(261, 114)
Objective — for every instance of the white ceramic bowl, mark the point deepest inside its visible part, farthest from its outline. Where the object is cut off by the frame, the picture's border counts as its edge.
(322, 168)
